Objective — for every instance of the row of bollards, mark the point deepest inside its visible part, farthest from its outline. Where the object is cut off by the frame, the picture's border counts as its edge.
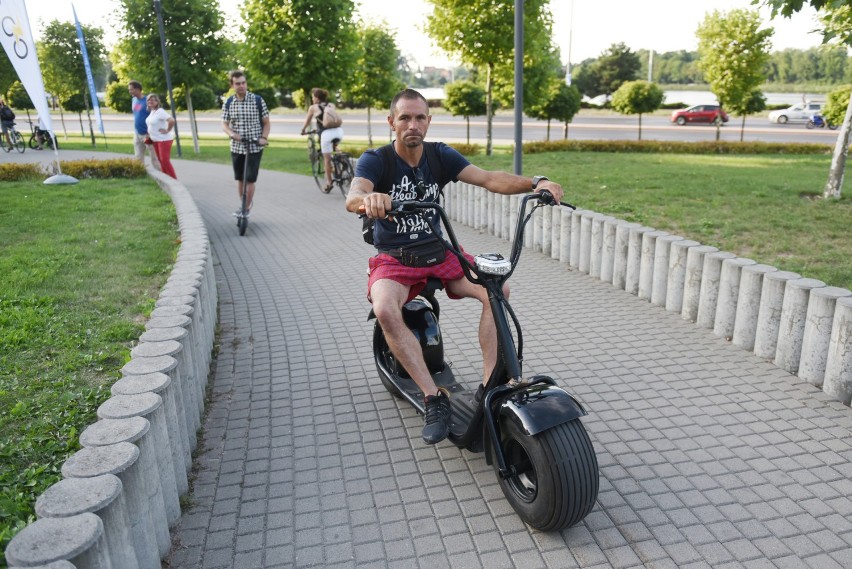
(802, 325)
(121, 492)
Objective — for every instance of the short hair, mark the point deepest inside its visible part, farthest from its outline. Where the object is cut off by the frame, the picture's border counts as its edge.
(153, 96)
(320, 94)
(406, 94)
(135, 84)
(234, 74)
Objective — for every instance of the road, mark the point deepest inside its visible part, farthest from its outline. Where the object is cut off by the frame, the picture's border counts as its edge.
(590, 126)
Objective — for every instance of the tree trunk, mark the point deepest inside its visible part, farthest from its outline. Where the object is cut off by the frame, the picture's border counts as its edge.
(718, 130)
(742, 129)
(369, 128)
(838, 161)
(192, 124)
(640, 126)
(548, 130)
(565, 131)
(489, 84)
(467, 120)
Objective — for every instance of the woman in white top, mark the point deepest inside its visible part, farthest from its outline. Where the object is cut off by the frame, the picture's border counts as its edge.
(160, 126)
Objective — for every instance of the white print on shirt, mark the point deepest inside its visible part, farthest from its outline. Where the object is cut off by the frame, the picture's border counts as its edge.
(406, 190)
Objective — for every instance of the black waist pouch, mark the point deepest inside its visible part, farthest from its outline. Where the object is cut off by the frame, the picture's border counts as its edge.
(421, 255)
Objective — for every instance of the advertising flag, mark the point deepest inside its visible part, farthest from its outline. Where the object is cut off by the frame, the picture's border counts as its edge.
(95, 106)
(17, 39)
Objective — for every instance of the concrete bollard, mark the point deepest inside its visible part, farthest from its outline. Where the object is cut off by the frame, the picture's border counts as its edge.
(711, 274)
(660, 278)
(555, 231)
(61, 564)
(479, 201)
(512, 220)
(576, 232)
(538, 229)
(150, 407)
(565, 235)
(791, 330)
(190, 372)
(489, 223)
(608, 248)
(546, 231)
(137, 431)
(148, 358)
(634, 258)
(102, 496)
(692, 281)
(838, 365)
(77, 539)
(646, 263)
(748, 305)
(505, 215)
(676, 280)
(122, 460)
(729, 292)
(586, 240)
(597, 245)
(620, 253)
(769, 313)
(817, 334)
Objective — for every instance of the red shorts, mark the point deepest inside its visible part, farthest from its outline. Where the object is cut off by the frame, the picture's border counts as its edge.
(383, 266)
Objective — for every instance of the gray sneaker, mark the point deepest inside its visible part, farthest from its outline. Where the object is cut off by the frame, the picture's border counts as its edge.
(437, 421)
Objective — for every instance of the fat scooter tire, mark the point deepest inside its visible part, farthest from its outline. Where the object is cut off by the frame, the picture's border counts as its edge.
(556, 481)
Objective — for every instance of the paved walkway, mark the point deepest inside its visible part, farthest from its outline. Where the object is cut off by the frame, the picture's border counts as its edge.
(709, 456)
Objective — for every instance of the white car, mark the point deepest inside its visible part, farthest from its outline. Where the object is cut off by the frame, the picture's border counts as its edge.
(797, 113)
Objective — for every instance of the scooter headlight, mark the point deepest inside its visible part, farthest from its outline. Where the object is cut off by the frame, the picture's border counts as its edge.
(493, 264)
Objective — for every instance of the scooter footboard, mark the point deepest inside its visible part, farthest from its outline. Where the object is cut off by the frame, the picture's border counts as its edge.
(540, 407)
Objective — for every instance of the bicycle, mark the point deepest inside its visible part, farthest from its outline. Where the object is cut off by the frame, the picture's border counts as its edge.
(46, 139)
(341, 163)
(17, 140)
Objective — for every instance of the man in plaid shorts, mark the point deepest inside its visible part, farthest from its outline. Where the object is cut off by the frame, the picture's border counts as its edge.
(392, 283)
(245, 119)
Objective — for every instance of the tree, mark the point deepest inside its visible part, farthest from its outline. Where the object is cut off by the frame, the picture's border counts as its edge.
(18, 98)
(481, 33)
(375, 81)
(8, 75)
(615, 67)
(734, 53)
(836, 17)
(196, 48)
(637, 97)
(561, 103)
(466, 99)
(300, 44)
(755, 103)
(117, 97)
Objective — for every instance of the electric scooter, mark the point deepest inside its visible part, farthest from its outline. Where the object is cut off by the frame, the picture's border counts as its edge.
(529, 429)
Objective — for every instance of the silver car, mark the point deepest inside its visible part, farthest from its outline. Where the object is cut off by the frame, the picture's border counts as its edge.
(797, 113)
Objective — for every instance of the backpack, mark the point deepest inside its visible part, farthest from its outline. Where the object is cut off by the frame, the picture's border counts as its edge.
(383, 186)
(7, 114)
(330, 118)
(257, 101)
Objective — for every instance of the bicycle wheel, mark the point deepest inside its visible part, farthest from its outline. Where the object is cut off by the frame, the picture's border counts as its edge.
(33, 141)
(347, 173)
(317, 166)
(18, 141)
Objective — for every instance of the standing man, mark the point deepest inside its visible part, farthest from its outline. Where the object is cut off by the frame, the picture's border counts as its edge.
(139, 106)
(245, 119)
(393, 282)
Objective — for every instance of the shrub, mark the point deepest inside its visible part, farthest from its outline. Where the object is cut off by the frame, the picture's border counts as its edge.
(116, 168)
(467, 149)
(117, 97)
(674, 147)
(20, 172)
(203, 98)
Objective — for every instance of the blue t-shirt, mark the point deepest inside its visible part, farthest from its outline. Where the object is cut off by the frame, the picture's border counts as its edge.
(140, 113)
(409, 229)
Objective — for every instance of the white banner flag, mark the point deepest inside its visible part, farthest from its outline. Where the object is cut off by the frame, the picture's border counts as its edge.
(17, 39)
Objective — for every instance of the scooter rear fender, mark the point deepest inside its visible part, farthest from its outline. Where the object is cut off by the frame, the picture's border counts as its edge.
(540, 407)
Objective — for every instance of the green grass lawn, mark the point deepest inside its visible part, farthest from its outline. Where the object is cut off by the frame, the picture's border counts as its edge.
(80, 268)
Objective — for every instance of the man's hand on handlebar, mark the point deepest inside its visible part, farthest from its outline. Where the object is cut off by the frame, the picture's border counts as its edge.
(376, 205)
(552, 187)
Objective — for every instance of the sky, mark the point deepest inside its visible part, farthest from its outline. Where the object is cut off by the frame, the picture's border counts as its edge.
(582, 28)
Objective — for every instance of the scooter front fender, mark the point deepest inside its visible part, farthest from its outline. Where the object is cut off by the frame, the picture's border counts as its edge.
(540, 407)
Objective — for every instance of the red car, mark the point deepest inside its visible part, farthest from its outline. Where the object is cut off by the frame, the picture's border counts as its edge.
(712, 114)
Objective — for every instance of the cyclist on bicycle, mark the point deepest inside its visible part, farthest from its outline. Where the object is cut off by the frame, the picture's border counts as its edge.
(7, 120)
(327, 135)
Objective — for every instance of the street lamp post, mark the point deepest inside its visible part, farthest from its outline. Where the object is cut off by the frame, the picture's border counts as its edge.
(158, 8)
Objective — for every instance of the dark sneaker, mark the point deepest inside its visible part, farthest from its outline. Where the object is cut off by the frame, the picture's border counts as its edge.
(437, 422)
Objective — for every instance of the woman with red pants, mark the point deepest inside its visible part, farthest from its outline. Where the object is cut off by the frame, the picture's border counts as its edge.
(160, 126)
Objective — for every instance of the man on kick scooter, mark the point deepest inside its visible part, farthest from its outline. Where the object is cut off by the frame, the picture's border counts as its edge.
(408, 251)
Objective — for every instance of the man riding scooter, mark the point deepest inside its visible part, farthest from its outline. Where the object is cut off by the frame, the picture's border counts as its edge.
(409, 252)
